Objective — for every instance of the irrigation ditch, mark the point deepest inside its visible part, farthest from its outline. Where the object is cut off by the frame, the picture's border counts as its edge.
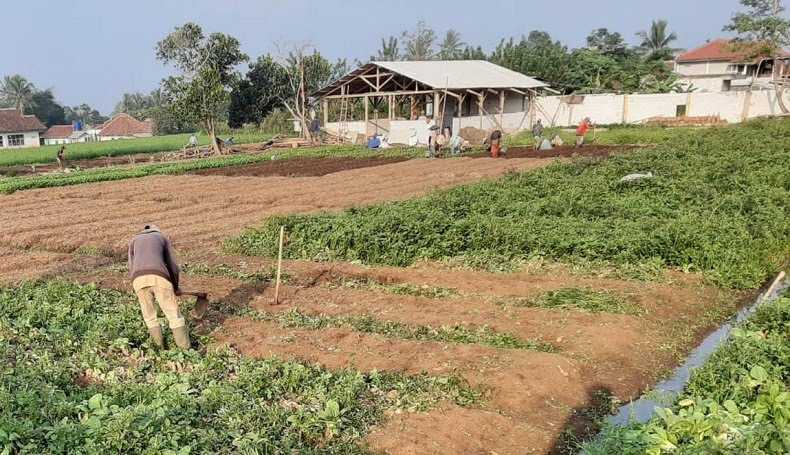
(666, 392)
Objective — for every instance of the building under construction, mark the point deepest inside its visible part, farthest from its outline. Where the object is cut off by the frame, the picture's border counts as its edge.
(403, 99)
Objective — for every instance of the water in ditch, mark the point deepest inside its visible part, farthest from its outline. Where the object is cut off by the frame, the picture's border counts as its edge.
(665, 392)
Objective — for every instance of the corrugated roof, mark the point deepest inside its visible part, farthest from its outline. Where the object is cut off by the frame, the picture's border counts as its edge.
(12, 121)
(462, 74)
(441, 74)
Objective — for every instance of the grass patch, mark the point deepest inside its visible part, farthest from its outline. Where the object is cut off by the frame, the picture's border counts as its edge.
(398, 330)
(583, 299)
(738, 402)
(430, 292)
(77, 376)
(121, 147)
(12, 184)
(227, 271)
(718, 205)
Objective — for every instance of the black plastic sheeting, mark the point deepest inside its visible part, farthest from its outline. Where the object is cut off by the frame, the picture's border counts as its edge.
(666, 392)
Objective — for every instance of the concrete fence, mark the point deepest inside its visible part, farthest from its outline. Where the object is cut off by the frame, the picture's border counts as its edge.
(733, 107)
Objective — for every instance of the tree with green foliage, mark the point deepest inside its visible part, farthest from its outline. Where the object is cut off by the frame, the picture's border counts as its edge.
(46, 109)
(17, 92)
(201, 93)
(451, 47)
(419, 42)
(84, 113)
(138, 104)
(473, 53)
(656, 41)
(259, 93)
(606, 42)
(763, 23)
(389, 52)
(536, 55)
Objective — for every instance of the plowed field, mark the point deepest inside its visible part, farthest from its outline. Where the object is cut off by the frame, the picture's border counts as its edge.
(536, 399)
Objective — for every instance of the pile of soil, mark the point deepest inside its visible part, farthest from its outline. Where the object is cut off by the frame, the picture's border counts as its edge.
(303, 167)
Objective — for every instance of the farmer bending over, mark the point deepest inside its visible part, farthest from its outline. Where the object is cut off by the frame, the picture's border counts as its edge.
(154, 273)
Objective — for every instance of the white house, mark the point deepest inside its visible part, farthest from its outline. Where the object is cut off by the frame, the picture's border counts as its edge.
(719, 66)
(65, 134)
(18, 130)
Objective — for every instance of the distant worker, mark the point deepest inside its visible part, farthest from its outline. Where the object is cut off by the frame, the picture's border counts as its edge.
(456, 144)
(154, 273)
(193, 141)
(61, 157)
(495, 143)
(582, 130)
(537, 133)
(442, 140)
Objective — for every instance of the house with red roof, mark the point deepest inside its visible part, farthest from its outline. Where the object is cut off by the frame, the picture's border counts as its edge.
(722, 66)
(18, 130)
(124, 126)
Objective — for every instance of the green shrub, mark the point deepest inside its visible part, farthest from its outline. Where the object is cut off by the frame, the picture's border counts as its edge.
(719, 203)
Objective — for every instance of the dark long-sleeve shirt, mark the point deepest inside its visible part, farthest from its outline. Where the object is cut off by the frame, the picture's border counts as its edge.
(150, 253)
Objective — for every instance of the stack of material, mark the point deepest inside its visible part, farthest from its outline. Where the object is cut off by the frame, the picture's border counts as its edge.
(474, 136)
(685, 121)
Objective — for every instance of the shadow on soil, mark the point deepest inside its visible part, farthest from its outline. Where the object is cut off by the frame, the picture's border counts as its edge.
(238, 299)
(584, 422)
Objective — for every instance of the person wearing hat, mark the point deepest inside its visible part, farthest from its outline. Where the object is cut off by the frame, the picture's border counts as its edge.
(154, 273)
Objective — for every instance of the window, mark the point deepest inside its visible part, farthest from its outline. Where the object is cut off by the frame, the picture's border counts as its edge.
(681, 110)
(1, 141)
(16, 140)
(726, 86)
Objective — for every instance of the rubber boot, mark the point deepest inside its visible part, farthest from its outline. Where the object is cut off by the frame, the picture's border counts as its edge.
(156, 336)
(181, 334)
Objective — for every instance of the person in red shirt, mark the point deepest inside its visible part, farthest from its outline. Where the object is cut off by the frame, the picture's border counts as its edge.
(582, 130)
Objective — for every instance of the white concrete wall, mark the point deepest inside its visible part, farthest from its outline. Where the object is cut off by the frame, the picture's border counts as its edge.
(733, 107)
(31, 139)
(700, 68)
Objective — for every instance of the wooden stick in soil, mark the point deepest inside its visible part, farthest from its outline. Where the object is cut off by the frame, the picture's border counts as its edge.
(279, 267)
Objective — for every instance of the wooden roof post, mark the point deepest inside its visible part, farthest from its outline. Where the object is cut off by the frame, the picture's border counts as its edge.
(325, 107)
(367, 101)
(480, 101)
(390, 101)
(502, 110)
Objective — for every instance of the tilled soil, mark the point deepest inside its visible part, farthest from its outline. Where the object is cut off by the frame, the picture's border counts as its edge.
(198, 212)
(307, 167)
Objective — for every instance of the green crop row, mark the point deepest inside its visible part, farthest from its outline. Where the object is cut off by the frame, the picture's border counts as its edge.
(12, 184)
(77, 376)
(612, 135)
(121, 147)
(718, 202)
(738, 402)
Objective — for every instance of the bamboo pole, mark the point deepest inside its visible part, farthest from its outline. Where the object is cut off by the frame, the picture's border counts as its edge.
(279, 267)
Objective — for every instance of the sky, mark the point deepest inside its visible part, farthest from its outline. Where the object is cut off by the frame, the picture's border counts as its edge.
(93, 51)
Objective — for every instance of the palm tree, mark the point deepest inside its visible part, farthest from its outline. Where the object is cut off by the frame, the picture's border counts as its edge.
(656, 41)
(452, 47)
(389, 51)
(419, 43)
(17, 91)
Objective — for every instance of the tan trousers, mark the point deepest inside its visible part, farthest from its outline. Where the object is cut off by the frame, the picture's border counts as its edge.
(154, 288)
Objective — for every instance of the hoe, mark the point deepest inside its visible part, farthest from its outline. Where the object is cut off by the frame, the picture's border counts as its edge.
(201, 306)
